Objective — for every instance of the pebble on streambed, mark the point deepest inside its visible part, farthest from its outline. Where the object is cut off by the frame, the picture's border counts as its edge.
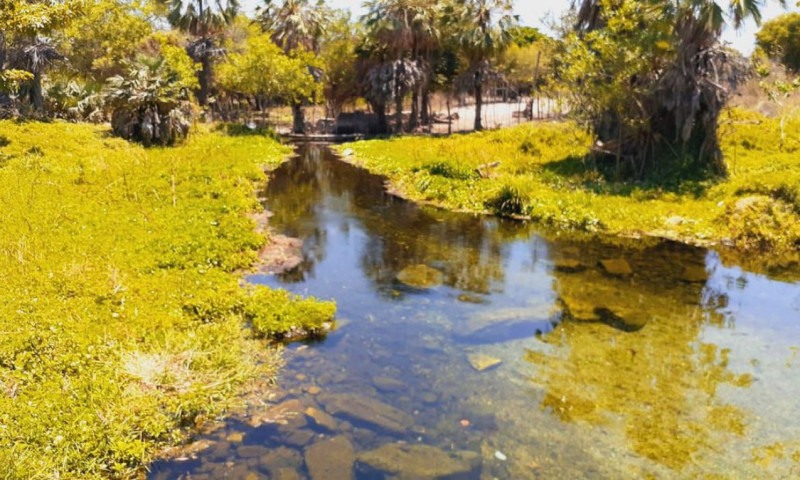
(482, 362)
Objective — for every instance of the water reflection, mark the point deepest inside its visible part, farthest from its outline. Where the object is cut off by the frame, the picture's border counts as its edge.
(659, 384)
(616, 360)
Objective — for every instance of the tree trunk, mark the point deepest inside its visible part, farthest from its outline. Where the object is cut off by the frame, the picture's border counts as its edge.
(36, 95)
(383, 122)
(426, 107)
(299, 118)
(449, 117)
(206, 78)
(478, 105)
(398, 120)
(413, 121)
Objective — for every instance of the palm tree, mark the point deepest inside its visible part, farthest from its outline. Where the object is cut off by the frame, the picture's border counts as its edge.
(35, 57)
(483, 28)
(683, 100)
(296, 24)
(148, 104)
(204, 20)
(390, 80)
(406, 29)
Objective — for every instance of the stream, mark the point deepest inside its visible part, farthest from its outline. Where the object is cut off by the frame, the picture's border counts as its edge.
(473, 347)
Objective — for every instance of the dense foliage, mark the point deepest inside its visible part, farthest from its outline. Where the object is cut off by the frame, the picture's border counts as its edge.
(653, 96)
(149, 105)
(780, 39)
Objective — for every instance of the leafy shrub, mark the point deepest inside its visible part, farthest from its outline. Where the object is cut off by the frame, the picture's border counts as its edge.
(149, 105)
(74, 101)
(763, 223)
(280, 315)
(510, 200)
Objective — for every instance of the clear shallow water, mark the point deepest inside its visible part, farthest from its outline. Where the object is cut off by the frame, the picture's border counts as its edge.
(682, 368)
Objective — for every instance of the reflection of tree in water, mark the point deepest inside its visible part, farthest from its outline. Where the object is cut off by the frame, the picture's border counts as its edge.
(659, 381)
(468, 250)
(294, 194)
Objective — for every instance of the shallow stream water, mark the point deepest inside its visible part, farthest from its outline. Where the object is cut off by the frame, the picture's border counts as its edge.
(617, 359)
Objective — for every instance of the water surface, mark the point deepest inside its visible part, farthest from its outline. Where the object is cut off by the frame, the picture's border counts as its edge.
(678, 368)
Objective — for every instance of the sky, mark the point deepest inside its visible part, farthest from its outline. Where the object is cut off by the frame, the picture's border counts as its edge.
(534, 12)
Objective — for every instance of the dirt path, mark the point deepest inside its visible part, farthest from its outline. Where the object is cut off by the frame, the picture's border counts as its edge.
(495, 114)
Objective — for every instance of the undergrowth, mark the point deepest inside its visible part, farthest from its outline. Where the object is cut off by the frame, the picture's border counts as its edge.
(544, 172)
(122, 320)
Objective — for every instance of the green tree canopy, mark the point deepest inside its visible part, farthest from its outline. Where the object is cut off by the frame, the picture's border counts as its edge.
(650, 78)
(780, 40)
(106, 35)
(25, 29)
(204, 20)
(260, 67)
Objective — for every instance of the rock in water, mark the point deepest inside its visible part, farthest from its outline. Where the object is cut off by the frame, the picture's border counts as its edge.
(388, 384)
(568, 265)
(617, 266)
(468, 298)
(481, 362)
(420, 277)
(508, 324)
(332, 458)
(286, 474)
(694, 274)
(593, 297)
(367, 410)
(280, 457)
(321, 419)
(417, 461)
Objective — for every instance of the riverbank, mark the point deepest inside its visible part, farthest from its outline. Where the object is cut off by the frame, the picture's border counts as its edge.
(124, 325)
(540, 172)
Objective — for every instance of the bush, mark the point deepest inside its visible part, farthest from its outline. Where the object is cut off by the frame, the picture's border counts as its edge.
(74, 101)
(510, 200)
(149, 105)
(763, 223)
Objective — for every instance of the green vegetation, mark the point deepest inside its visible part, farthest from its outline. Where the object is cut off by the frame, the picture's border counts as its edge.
(780, 39)
(149, 105)
(646, 93)
(545, 173)
(123, 322)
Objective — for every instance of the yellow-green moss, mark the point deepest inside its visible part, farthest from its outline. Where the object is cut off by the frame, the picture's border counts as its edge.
(545, 173)
(121, 317)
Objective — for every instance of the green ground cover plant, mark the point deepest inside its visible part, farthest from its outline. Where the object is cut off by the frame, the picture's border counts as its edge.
(123, 321)
(546, 173)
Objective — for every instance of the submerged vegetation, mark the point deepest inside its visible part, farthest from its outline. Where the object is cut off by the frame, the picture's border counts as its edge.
(122, 319)
(545, 172)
